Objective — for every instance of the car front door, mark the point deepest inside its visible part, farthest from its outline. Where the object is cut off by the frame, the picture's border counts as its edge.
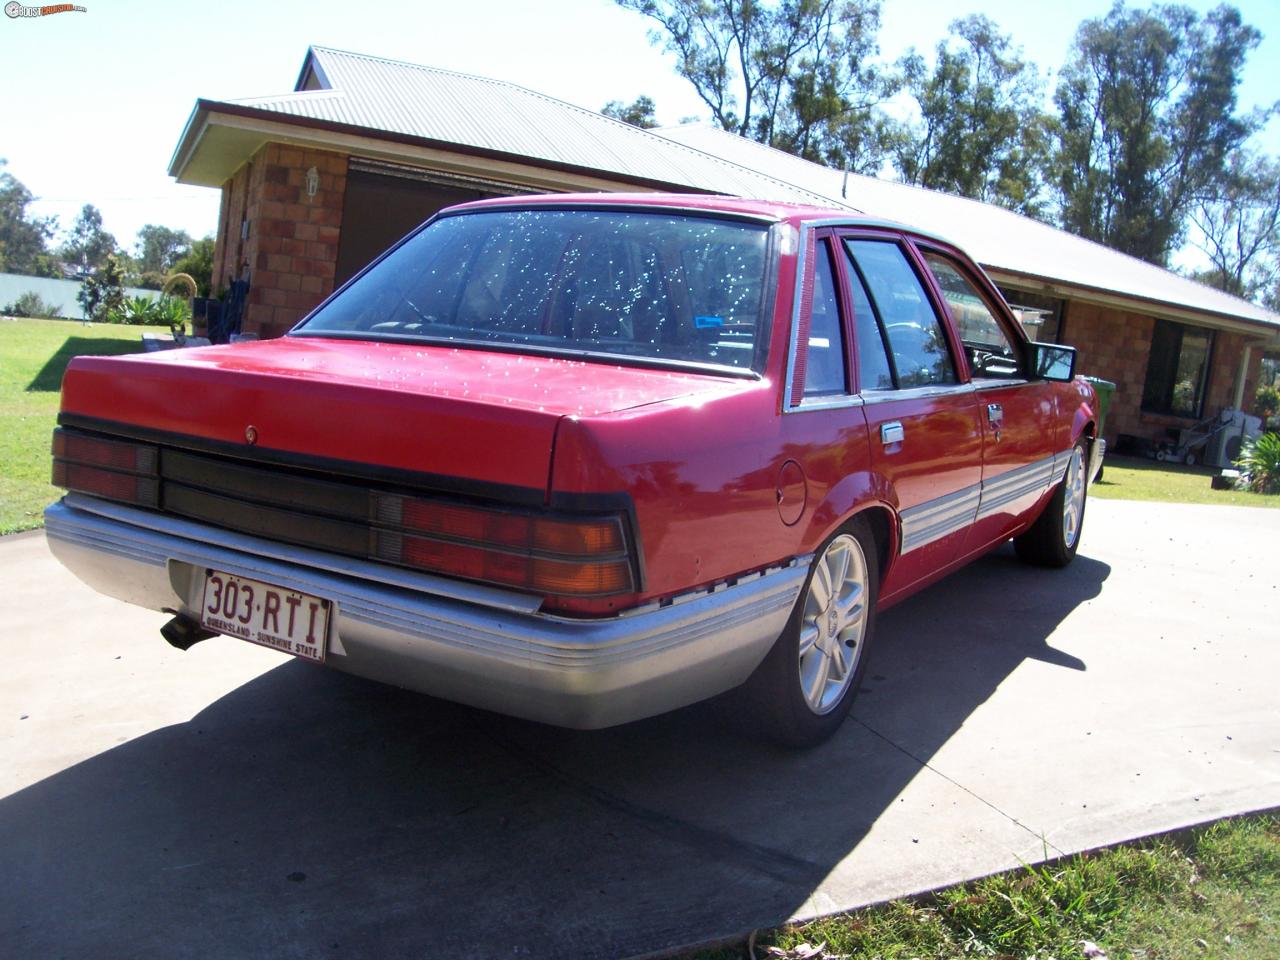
(1018, 414)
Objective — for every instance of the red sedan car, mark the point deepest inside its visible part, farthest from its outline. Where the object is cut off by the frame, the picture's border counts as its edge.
(587, 459)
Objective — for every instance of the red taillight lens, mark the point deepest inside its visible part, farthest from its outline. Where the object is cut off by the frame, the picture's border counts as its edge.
(111, 454)
(585, 557)
(115, 469)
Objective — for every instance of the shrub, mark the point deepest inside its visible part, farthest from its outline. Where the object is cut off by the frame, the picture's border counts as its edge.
(152, 311)
(174, 313)
(1266, 402)
(134, 311)
(30, 304)
(1260, 461)
(103, 293)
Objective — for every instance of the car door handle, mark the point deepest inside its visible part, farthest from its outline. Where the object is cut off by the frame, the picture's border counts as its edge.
(995, 414)
(891, 433)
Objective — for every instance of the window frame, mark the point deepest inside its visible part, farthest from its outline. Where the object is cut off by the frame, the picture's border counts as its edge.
(824, 241)
(1165, 408)
(812, 241)
(907, 246)
(991, 297)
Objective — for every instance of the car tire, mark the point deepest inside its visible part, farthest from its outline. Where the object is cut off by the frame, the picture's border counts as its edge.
(1053, 539)
(805, 687)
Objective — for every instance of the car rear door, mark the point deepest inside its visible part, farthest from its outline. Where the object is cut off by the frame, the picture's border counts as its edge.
(924, 427)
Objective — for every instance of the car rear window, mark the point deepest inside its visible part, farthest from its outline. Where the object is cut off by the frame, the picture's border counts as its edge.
(641, 285)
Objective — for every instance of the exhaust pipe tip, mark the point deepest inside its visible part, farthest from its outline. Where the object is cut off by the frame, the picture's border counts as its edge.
(184, 633)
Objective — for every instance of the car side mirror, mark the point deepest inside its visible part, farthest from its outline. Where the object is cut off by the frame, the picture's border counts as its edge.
(1051, 361)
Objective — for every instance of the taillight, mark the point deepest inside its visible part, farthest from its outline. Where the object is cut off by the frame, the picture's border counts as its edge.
(579, 557)
(115, 469)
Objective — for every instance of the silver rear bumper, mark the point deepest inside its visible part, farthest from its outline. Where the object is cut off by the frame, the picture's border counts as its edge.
(478, 645)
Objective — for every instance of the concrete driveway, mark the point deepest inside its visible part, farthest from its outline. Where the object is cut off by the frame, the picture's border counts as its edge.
(231, 802)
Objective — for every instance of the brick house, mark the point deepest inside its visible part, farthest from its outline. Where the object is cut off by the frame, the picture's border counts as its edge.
(318, 181)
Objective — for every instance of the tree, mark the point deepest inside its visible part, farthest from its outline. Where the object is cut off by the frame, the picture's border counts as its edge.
(88, 245)
(638, 113)
(981, 132)
(198, 264)
(793, 74)
(23, 238)
(103, 292)
(158, 248)
(1148, 117)
(1238, 227)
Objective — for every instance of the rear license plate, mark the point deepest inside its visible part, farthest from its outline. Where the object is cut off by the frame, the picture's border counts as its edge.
(287, 620)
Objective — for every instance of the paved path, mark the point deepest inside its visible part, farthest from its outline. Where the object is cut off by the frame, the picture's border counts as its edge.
(231, 802)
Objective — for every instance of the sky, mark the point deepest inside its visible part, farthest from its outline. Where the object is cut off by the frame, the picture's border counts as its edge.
(93, 103)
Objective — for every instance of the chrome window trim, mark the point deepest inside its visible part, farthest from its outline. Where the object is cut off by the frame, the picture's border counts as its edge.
(841, 401)
(793, 335)
(997, 383)
(870, 397)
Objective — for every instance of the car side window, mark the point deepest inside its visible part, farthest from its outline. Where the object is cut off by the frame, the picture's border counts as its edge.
(917, 343)
(874, 370)
(825, 368)
(990, 352)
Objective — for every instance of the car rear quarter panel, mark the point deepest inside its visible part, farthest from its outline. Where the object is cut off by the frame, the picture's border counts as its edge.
(704, 481)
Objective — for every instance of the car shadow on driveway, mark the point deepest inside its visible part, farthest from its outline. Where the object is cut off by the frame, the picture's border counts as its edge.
(311, 814)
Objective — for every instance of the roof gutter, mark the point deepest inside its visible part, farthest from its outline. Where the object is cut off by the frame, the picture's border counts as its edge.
(186, 142)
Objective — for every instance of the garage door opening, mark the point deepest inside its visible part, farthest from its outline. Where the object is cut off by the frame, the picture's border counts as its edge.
(385, 201)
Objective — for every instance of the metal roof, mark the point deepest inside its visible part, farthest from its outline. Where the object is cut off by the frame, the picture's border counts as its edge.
(376, 97)
(501, 118)
(1004, 242)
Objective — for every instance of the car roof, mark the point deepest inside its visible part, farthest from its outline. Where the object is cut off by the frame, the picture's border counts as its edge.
(797, 214)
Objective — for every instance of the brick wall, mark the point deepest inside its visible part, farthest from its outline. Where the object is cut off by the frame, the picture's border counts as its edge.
(1116, 345)
(290, 247)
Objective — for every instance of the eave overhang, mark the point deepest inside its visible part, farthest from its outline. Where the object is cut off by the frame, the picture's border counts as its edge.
(219, 138)
(1165, 310)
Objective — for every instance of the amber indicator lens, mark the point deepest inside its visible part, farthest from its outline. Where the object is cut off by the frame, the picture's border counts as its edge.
(581, 579)
(523, 572)
(579, 538)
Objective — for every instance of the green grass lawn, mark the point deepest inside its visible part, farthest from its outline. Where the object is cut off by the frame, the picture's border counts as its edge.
(1209, 893)
(33, 355)
(1132, 478)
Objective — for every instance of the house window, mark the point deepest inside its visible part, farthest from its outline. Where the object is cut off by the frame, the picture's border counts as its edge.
(1270, 371)
(1178, 371)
